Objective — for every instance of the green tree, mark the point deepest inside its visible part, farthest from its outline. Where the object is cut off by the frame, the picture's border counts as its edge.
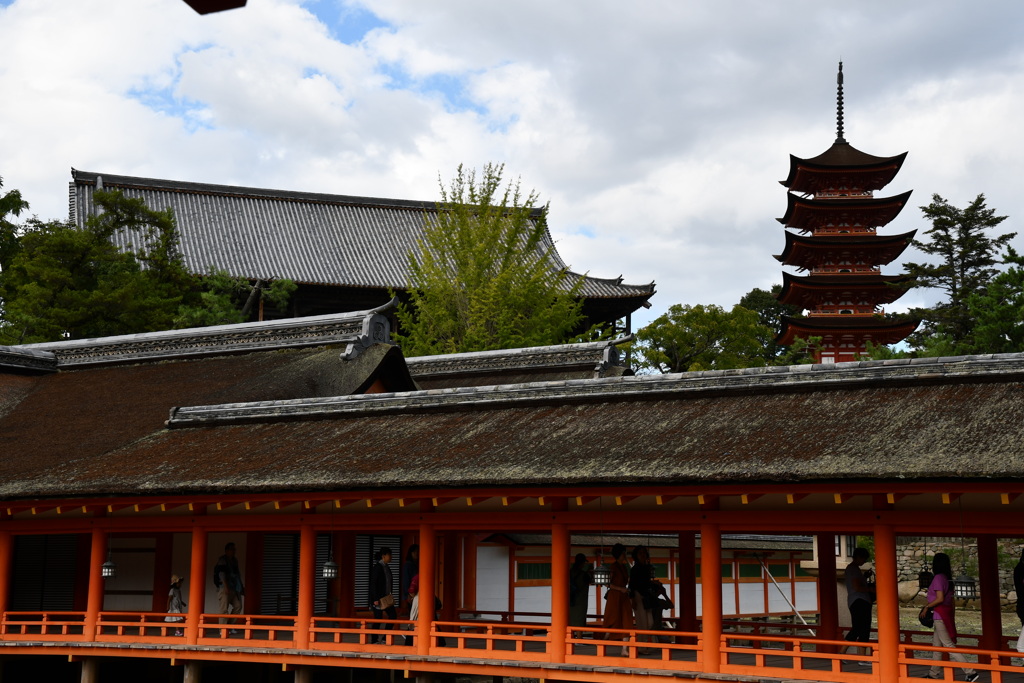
(769, 314)
(701, 338)
(65, 282)
(485, 274)
(11, 204)
(967, 259)
(225, 300)
(998, 312)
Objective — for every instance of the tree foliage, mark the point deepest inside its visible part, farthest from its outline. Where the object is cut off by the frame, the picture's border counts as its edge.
(702, 337)
(485, 275)
(225, 299)
(998, 312)
(769, 314)
(62, 281)
(967, 257)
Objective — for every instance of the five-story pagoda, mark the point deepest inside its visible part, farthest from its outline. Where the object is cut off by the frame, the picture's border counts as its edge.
(835, 216)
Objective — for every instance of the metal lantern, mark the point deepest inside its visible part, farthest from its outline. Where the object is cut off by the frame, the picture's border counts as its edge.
(924, 579)
(965, 588)
(108, 570)
(602, 575)
(330, 569)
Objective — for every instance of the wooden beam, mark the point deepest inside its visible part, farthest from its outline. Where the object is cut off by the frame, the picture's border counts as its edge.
(1007, 498)
(622, 500)
(792, 498)
(747, 498)
(509, 500)
(948, 498)
(583, 500)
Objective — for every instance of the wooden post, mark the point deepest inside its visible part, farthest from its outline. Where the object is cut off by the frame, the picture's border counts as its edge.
(6, 555)
(449, 577)
(560, 559)
(988, 582)
(428, 562)
(887, 596)
(828, 596)
(307, 582)
(197, 579)
(469, 572)
(94, 602)
(686, 608)
(90, 670)
(711, 596)
(345, 556)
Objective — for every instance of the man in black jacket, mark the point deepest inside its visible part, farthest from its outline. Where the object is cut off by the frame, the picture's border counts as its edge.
(381, 597)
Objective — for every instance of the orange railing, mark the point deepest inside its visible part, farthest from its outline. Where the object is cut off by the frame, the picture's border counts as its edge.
(663, 650)
(808, 659)
(248, 629)
(749, 648)
(63, 626)
(360, 635)
(132, 627)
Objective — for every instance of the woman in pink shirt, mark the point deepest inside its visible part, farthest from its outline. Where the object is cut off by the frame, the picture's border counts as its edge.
(940, 599)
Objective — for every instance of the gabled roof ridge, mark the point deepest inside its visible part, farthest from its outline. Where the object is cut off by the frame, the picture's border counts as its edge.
(772, 378)
(526, 350)
(22, 358)
(358, 329)
(110, 179)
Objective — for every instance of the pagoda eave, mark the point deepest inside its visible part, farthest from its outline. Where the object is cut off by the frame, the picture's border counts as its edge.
(810, 252)
(842, 159)
(877, 330)
(807, 291)
(807, 214)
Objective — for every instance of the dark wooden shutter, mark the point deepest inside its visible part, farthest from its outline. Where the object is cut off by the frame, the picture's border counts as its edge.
(43, 576)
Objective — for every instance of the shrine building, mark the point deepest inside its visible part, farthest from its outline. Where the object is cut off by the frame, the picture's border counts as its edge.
(345, 253)
(834, 217)
(312, 443)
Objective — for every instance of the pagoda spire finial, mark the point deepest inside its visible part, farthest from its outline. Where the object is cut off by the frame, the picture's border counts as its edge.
(839, 105)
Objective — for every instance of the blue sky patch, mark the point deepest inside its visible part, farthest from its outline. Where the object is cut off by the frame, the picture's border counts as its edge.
(347, 23)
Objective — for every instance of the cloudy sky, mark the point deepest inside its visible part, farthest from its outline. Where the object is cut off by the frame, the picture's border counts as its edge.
(657, 130)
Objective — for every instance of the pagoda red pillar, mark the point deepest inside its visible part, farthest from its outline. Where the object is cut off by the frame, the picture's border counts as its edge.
(988, 580)
(196, 584)
(887, 596)
(307, 582)
(560, 549)
(828, 596)
(94, 601)
(711, 596)
(6, 555)
(469, 571)
(687, 575)
(428, 564)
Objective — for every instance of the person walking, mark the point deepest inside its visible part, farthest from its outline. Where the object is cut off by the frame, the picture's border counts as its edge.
(175, 605)
(227, 577)
(940, 601)
(859, 596)
(382, 597)
(580, 580)
(1018, 587)
(618, 614)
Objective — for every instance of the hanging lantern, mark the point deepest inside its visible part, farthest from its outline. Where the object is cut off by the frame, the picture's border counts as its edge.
(108, 570)
(330, 570)
(965, 588)
(602, 575)
(924, 578)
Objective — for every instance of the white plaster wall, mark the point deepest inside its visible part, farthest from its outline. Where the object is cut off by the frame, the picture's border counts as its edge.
(492, 578)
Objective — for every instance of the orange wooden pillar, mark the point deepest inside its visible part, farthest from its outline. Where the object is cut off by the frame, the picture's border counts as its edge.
(988, 580)
(887, 595)
(428, 567)
(711, 596)
(560, 549)
(450, 576)
(469, 550)
(687, 575)
(6, 559)
(307, 582)
(828, 596)
(94, 601)
(196, 584)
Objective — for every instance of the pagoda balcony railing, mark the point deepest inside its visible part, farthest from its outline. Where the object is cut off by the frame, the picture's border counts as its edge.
(746, 647)
(839, 310)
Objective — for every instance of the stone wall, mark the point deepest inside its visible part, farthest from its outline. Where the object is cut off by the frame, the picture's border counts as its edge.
(912, 554)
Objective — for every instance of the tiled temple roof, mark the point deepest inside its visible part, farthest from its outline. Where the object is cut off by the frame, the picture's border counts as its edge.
(307, 237)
